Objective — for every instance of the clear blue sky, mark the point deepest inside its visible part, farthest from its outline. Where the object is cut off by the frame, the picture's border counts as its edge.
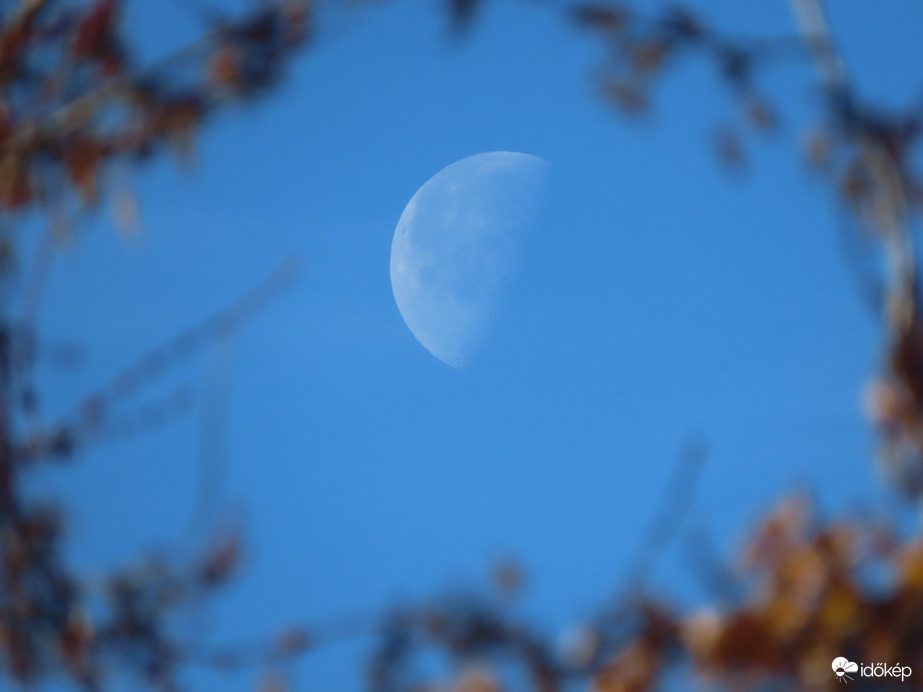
(659, 297)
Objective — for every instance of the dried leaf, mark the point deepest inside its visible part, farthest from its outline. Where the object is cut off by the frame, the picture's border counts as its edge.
(761, 114)
(93, 37)
(273, 681)
(476, 680)
(729, 149)
(180, 121)
(462, 13)
(83, 160)
(15, 187)
(224, 68)
(629, 98)
(293, 640)
(607, 18)
(508, 577)
(221, 562)
(648, 57)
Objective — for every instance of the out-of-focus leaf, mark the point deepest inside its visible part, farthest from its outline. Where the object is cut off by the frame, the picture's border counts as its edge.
(508, 577)
(608, 18)
(221, 561)
(95, 38)
(476, 680)
(760, 113)
(83, 159)
(462, 13)
(629, 98)
(729, 149)
(293, 640)
(15, 186)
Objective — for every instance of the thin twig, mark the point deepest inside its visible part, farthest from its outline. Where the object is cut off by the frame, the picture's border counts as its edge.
(870, 288)
(212, 439)
(37, 278)
(306, 639)
(674, 505)
(145, 418)
(705, 562)
(155, 362)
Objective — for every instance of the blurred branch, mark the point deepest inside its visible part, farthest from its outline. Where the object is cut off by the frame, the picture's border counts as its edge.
(706, 563)
(291, 642)
(213, 438)
(812, 27)
(94, 407)
(860, 254)
(674, 505)
(148, 417)
(75, 110)
(36, 278)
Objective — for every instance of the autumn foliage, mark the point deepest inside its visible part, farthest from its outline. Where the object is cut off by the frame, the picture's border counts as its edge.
(75, 106)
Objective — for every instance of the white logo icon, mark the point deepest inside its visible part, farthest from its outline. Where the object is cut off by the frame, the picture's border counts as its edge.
(841, 667)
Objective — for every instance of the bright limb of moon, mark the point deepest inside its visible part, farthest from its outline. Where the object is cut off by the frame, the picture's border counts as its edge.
(456, 247)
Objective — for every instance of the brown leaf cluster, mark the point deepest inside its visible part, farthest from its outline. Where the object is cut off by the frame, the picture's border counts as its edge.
(810, 591)
(71, 103)
(641, 49)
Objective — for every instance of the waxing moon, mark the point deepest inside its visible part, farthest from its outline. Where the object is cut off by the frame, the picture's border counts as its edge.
(456, 246)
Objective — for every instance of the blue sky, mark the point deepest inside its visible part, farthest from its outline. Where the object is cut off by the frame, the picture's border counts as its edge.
(658, 298)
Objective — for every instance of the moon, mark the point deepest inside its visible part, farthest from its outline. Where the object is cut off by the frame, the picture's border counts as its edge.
(456, 248)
